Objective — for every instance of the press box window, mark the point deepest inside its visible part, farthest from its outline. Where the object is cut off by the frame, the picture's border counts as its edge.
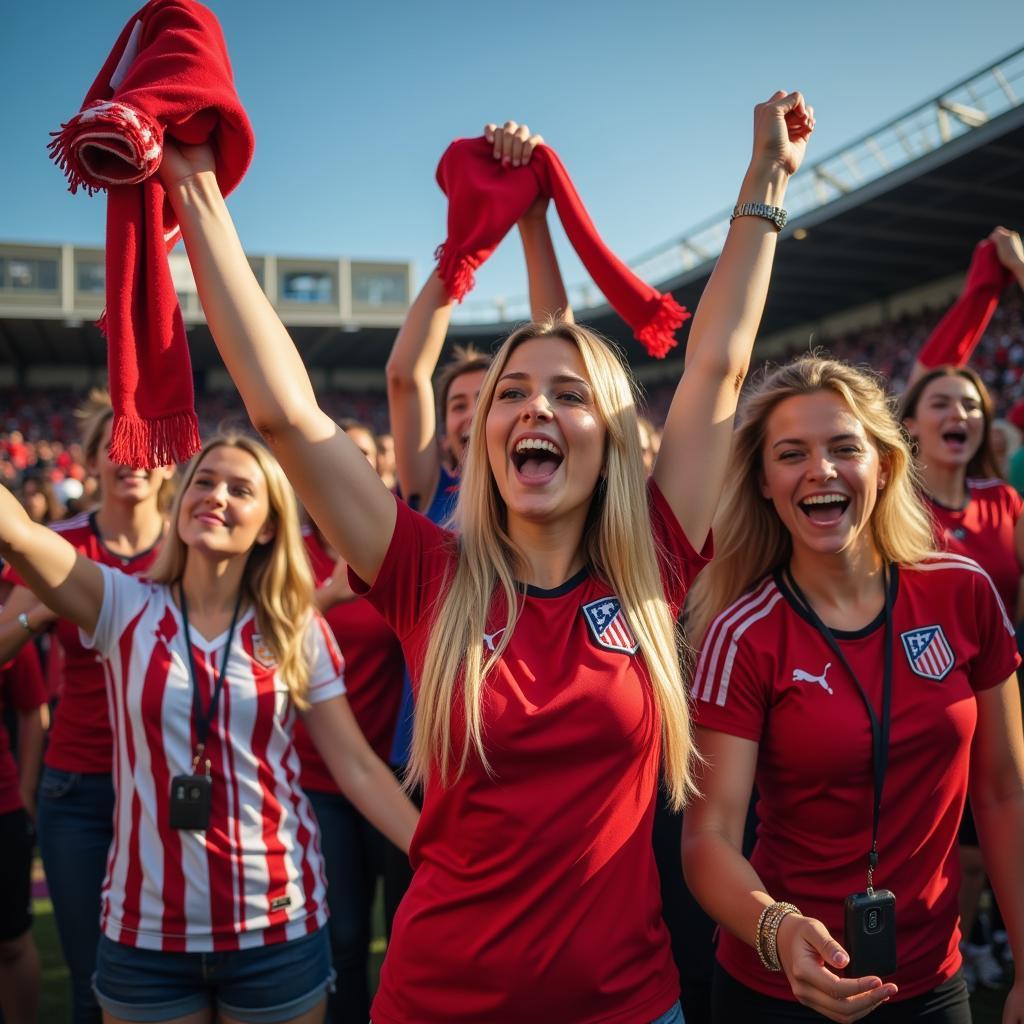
(28, 274)
(307, 286)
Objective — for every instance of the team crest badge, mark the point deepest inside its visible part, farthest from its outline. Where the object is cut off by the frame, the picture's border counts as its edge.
(928, 652)
(261, 652)
(609, 626)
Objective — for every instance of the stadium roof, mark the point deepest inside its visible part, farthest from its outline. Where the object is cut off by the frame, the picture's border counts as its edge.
(901, 207)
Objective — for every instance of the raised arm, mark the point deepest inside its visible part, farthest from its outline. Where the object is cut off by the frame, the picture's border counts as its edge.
(411, 407)
(338, 487)
(67, 582)
(514, 145)
(690, 469)
(957, 334)
(729, 889)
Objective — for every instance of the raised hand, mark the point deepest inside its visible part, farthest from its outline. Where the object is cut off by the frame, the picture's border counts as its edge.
(513, 143)
(782, 126)
(805, 947)
(182, 162)
(1008, 248)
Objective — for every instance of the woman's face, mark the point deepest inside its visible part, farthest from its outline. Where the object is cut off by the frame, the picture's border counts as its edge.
(124, 485)
(822, 473)
(948, 423)
(460, 405)
(545, 438)
(225, 508)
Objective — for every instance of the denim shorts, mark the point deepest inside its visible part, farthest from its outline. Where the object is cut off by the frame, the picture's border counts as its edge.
(671, 1016)
(264, 985)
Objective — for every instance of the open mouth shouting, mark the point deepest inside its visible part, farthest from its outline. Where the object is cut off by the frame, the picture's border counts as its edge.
(824, 509)
(536, 459)
(955, 438)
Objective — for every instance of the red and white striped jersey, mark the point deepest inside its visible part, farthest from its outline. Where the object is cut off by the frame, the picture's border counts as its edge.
(255, 876)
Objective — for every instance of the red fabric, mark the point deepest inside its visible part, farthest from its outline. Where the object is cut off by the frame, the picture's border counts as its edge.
(22, 688)
(535, 895)
(485, 199)
(167, 73)
(80, 739)
(759, 677)
(374, 668)
(984, 531)
(959, 331)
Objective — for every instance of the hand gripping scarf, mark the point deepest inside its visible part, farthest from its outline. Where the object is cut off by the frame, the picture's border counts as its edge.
(168, 73)
(485, 199)
(957, 334)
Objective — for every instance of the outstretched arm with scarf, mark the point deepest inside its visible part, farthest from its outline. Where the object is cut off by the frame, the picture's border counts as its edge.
(418, 345)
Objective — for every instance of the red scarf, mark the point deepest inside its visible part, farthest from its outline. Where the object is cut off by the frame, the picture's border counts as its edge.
(957, 334)
(486, 198)
(168, 72)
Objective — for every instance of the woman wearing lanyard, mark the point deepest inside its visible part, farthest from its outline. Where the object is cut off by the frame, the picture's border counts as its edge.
(76, 794)
(214, 896)
(839, 669)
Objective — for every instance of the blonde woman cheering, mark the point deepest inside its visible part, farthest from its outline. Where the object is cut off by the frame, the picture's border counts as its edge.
(214, 897)
(856, 674)
(540, 636)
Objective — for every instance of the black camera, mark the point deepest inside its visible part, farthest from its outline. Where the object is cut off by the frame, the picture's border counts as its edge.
(870, 933)
(190, 802)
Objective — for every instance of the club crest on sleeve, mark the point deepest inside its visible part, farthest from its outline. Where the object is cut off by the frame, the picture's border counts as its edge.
(928, 652)
(261, 652)
(609, 626)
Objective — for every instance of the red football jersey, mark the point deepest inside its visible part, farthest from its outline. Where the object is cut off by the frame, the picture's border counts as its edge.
(766, 674)
(80, 739)
(535, 896)
(22, 687)
(983, 530)
(373, 673)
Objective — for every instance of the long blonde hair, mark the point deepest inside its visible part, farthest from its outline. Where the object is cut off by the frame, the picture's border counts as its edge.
(277, 580)
(617, 544)
(750, 539)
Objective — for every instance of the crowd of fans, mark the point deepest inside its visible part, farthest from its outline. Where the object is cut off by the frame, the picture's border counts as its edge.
(40, 455)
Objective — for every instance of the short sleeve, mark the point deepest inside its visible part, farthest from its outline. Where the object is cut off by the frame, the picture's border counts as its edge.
(124, 597)
(413, 572)
(326, 664)
(730, 692)
(25, 678)
(680, 564)
(997, 656)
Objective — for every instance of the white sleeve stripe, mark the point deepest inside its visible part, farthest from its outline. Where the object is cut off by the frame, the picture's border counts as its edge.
(716, 636)
(75, 523)
(969, 565)
(723, 686)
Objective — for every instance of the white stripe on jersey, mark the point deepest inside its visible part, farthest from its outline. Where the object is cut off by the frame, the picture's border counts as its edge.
(962, 562)
(222, 889)
(737, 617)
(986, 482)
(74, 523)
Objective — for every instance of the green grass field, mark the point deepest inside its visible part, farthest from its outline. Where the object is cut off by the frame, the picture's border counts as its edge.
(56, 1002)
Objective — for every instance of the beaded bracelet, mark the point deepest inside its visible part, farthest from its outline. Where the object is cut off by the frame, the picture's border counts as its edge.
(768, 932)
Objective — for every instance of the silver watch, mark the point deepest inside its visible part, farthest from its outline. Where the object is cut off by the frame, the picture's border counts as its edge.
(776, 214)
(24, 623)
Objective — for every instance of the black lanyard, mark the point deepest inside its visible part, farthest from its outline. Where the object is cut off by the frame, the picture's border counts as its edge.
(879, 729)
(202, 722)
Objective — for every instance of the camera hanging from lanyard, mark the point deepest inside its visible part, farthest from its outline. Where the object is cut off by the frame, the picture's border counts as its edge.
(869, 916)
(192, 795)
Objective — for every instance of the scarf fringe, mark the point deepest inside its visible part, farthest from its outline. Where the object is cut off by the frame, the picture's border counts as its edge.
(658, 334)
(457, 273)
(60, 153)
(145, 444)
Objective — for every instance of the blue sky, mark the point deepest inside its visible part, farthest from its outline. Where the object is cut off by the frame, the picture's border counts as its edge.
(648, 104)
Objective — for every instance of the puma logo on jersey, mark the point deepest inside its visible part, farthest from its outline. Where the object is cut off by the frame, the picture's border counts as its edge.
(491, 639)
(800, 676)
